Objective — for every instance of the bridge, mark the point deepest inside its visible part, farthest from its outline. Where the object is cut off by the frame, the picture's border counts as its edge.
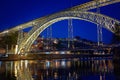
(80, 12)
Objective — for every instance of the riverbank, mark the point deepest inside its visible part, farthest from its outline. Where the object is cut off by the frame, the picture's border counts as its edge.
(13, 57)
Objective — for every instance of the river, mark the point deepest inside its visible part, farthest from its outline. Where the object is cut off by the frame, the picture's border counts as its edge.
(60, 69)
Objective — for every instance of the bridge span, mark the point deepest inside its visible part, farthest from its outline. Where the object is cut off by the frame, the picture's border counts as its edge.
(83, 7)
(77, 12)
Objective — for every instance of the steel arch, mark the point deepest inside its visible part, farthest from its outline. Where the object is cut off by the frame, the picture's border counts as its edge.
(39, 26)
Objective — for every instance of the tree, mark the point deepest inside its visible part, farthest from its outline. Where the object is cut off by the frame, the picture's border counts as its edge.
(9, 39)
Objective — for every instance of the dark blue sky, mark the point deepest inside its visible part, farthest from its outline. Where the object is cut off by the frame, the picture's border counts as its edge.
(15, 12)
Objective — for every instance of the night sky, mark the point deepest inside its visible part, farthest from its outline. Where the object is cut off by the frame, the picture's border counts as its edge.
(15, 12)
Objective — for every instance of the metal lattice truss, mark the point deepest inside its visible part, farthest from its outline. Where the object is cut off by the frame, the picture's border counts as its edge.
(92, 4)
(42, 24)
(83, 7)
(77, 12)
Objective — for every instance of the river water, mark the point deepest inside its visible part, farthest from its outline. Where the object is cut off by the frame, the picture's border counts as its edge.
(60, 69)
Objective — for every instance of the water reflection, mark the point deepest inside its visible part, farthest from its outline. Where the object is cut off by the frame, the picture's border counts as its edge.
(74, 69)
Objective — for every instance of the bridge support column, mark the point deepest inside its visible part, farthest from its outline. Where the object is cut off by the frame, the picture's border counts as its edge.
(99, 27)
(70, 34)
(99, 35)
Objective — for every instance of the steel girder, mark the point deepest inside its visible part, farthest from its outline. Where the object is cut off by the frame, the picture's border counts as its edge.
(39, 26)
(92, 4)
(83, 7)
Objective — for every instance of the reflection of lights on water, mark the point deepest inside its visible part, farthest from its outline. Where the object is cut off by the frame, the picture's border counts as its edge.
(100, 77)
(97, 61)
(62, 52)
(31, 61)
(57, 52)
(55, 75)
(74, 73)
(68, 52)
(57, 64)
(47, 64)
(75, 59)
(15, 65)
(63, 64)
(47, 73)
(68, 64)
(26, 63)
(21, 63)
(76, 76)
(110, 65)
(69, 74)
(47, 52)
(21, 70)
(0, 63)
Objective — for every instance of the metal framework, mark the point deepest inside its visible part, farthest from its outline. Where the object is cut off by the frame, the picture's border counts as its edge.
(49, 37)
(70, 33)
(99, 26)
(83, 7)
(20, 37)
(105, 21)
(92, 5)
(77, 12)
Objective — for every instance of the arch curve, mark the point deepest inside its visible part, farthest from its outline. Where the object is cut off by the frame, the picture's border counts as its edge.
(41, 25)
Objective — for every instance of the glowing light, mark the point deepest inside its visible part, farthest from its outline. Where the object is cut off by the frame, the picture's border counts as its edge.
(57, 64)
(62, 52)
(57, 52)
(68, 52)
(68, 64)
(16, 49)
(26, 63)
(55, 41)
(6, 31)
(47, 52)
(47, 64)
(15, 69)
(55, 75)
(63, 64)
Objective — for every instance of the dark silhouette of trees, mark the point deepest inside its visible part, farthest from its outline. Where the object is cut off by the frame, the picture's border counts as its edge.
(8, 39)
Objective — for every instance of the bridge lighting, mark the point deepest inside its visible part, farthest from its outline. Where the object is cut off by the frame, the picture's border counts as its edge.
(6, 31)
(46, 21)
(33, 23)
(16, 49)
(19, 27)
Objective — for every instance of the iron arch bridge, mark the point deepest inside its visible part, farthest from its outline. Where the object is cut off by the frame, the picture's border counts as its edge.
(41, 25)
(82, 7)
